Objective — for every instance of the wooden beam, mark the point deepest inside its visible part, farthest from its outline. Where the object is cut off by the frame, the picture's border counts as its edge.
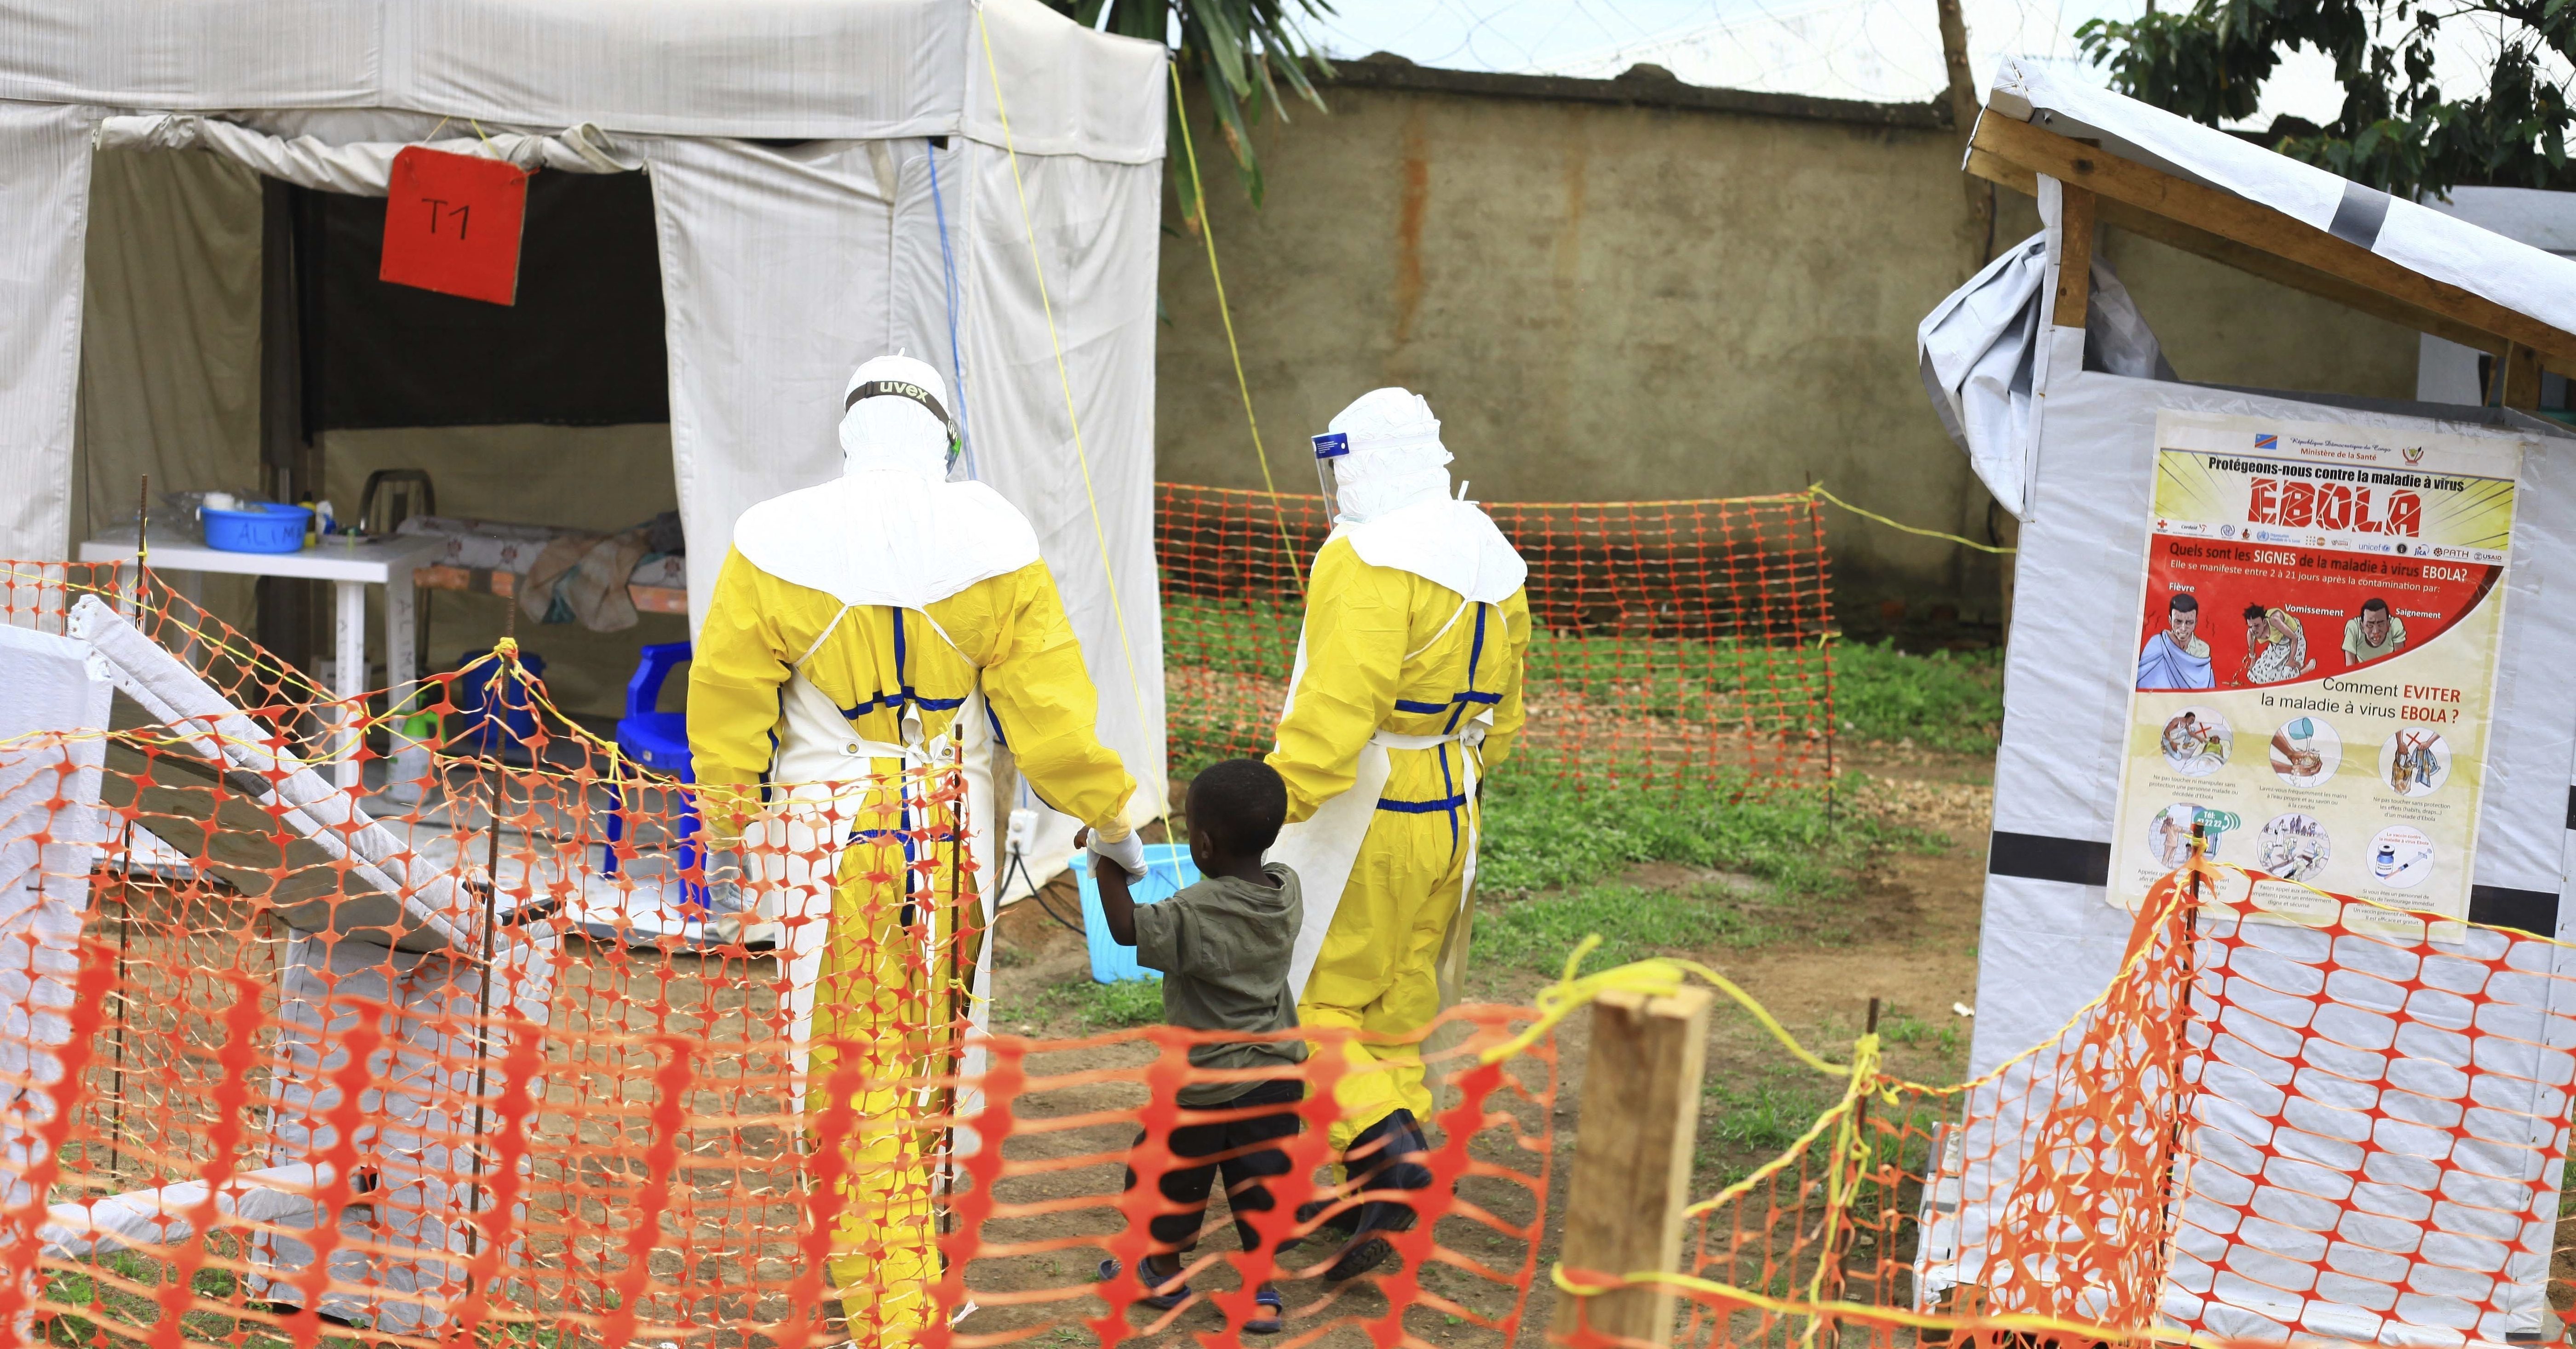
(2245, 258)
(1994, 168)
(2256, 227)
(1632, 1160)
(2075, 256)
(2281, 271)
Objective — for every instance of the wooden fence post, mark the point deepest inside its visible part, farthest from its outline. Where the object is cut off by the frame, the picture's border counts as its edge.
(1632, 1158)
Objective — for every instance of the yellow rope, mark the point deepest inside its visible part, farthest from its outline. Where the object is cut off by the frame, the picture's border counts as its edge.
(1850, 1151)
(1817, 490)
(1242, 386)
(1150, 781)
(1659, 977)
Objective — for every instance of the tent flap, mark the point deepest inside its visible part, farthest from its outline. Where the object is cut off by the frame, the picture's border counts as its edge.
(361, 169)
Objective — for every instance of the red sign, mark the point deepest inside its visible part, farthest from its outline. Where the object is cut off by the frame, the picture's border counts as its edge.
(452, 224)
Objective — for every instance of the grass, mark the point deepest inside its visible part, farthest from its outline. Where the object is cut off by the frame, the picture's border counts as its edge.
(1537, 933)
(1767, 1114)
(118, 1316)
(1118, 1006)
(1538, 835)
(1913, 1032)
(1948, 700)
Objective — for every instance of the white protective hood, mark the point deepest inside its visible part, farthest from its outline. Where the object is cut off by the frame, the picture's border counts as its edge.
(1396, 508)
(891, 529)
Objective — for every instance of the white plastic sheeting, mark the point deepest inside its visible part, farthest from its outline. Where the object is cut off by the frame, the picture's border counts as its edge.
(50, 828)
(2425, 241)
(406, 1241)
(1979, 352)
(2047, 946)
(426, 1075)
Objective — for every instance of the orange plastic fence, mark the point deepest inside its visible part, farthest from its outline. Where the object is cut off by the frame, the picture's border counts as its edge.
(328, 1059)
(1672, 642)
(2292, 1118)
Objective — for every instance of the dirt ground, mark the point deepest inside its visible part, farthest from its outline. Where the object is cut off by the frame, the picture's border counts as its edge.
(1906, 935)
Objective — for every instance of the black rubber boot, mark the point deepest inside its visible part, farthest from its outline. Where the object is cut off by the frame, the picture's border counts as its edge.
(1388, 1155)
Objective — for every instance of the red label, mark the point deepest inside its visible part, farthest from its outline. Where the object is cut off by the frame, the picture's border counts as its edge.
(452, 224)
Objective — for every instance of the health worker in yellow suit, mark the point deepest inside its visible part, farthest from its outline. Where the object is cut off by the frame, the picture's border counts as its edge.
(858, 630)
(1407, 692)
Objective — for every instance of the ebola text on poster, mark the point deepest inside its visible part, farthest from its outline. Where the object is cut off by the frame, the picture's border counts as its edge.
(2315, 659)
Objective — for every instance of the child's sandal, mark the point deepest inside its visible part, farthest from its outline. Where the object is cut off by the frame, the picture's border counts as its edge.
(1161, 1301)
(1273, 1323)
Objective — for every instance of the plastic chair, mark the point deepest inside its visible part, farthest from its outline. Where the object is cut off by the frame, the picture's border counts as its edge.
(659, 741)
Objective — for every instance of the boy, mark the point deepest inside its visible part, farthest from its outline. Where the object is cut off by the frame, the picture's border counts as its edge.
(1222, 945)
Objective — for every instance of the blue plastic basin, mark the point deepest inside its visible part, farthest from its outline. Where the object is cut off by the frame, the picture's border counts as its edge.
(1167, 869)
(260, 527)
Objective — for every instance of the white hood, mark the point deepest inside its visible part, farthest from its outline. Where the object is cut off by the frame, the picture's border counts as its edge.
(892, 529)
(1396, 458)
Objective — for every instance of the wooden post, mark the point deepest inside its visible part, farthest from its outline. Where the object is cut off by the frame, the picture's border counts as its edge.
(1632, 1158)
(2520, 371)
(2075, 269)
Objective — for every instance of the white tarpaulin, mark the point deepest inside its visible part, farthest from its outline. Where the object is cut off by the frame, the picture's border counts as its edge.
(2422, 240)
(880, 211)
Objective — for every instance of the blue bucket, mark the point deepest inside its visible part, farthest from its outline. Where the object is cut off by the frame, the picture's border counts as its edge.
(260, 527)
(1167, 869)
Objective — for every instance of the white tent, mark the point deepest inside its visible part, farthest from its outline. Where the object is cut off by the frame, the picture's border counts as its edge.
(2047, 377)
(831, 179)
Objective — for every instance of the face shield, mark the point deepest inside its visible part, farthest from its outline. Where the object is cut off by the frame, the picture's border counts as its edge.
(1332, 454)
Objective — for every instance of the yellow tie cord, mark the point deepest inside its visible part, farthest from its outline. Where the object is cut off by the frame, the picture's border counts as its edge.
(1817, 491)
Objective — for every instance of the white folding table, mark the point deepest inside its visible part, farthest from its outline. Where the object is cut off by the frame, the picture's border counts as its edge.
(350, 568)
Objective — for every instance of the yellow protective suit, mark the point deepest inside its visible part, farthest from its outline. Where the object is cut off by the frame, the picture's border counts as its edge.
(1389, 650)
(877, 988)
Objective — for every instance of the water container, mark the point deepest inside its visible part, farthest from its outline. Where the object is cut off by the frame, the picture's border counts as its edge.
(490, 723)
(1167, 869)
(257, 527)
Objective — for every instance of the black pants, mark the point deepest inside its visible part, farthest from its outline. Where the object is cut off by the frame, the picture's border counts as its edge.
(1244, 1172)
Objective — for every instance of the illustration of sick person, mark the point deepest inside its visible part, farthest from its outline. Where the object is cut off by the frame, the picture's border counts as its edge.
(2283, 655)
(2373, 634)
(2176, 658)
(2185, 737)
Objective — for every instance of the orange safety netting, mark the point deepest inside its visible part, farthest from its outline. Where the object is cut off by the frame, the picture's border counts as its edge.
(283, 1059)
(1671, 642)
(2292, 1118)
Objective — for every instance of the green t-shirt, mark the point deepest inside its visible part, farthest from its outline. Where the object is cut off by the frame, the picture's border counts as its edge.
(1223, 947)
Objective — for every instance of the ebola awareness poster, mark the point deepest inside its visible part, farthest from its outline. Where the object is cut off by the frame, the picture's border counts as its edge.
(2315, 656)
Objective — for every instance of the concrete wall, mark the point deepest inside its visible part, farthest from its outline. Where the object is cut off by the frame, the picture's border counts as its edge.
(1633, 289)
